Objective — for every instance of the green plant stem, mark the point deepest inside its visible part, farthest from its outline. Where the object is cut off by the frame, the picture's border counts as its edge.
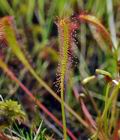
(113, 95)
(63, 110)
(64, 48)
(107, 93)
(106, 101)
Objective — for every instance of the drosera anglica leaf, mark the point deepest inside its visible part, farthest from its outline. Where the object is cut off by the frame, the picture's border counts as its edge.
(10, 37)
(66, 29)
(94, 21)
(3, 41)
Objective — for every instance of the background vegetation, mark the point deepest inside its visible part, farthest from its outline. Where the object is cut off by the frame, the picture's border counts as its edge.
(96, 111)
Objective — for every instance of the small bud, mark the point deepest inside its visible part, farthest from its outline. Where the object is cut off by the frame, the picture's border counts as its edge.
(88, 79)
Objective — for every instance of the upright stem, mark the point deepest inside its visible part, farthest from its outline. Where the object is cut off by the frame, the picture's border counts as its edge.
(63, 109)
(109, 102)
(65, 45)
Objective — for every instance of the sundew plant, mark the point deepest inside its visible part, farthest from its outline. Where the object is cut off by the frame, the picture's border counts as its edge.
(60, 69)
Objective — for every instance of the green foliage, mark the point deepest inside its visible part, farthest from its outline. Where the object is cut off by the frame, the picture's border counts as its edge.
(40, 134)
(9, 112)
